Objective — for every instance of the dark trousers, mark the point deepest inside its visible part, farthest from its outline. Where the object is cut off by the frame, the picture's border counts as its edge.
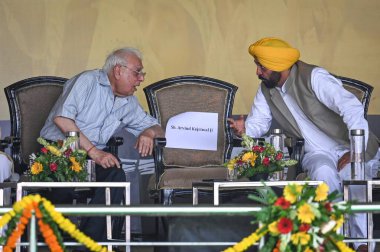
(95, 227)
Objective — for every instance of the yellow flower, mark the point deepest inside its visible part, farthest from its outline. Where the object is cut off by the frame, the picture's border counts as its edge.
(231, 164)
(343, 247)
(300, 238)
(246, 242)
(308, 250)
(248, 156)
(321, 192)
(291, 192)
(273, 228)
(76, 166)
(305, 214)
(54, 150)
(36, 168)
(339, 222)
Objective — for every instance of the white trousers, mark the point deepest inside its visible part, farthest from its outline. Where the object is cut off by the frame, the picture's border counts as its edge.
(322, 165)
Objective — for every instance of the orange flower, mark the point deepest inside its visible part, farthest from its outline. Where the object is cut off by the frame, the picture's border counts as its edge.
(76, 166)
(36, 168)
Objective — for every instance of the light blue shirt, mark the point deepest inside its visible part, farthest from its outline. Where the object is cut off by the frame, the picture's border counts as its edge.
(88, 100)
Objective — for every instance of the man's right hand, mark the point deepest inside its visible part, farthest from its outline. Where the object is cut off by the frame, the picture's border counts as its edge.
(237, 125)
(105, 159)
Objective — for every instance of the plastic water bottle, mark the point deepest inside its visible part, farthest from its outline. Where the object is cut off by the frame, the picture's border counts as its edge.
(357, 154)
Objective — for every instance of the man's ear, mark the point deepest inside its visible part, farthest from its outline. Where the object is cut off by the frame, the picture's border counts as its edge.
(116, 71)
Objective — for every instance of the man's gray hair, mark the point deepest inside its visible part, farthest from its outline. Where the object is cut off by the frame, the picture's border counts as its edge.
(117, 57)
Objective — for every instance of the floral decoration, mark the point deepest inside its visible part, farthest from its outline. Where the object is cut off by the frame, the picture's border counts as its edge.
(255, 159)
(49, 221)
(57, 162)
(304, 218)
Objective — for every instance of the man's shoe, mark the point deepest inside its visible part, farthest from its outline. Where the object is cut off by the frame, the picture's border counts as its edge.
(362, 248)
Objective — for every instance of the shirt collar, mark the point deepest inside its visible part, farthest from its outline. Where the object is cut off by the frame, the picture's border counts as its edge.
(103, 78)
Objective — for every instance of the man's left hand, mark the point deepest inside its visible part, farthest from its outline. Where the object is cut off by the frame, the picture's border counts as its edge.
(144, 145)
(344, 160)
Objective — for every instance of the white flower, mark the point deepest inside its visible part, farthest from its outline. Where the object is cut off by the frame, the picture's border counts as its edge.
(32, 157)
(327, 227)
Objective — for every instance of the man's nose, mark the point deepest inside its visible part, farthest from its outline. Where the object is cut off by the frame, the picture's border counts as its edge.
(258, 71)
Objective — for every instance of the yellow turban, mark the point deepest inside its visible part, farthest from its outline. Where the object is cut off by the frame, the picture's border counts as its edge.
(274, 54)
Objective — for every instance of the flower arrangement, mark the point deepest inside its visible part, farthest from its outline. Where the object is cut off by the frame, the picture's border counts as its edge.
(49, 221)
(304, 218)
(256, 159)
(57, 162)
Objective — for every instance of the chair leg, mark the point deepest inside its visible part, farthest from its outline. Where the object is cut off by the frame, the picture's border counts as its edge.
(168, 193)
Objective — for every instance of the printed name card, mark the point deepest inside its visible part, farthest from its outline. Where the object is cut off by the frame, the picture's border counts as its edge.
(193, 130)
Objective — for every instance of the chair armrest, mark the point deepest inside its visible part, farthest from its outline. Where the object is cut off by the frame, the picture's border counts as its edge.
(236, 141)
(14, 144)
(159, 144)
(113, 145)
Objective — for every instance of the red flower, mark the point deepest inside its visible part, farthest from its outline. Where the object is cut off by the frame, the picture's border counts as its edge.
(304, 227)
(285, 225)
(279, 156)
(68, 152)
(256, 148)
(328, 207)
(53, 167)
(262, 149)
(44, 150)
(282, 202)
(266, 161)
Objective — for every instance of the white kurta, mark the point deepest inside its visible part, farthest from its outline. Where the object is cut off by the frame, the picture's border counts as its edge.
(321, 152)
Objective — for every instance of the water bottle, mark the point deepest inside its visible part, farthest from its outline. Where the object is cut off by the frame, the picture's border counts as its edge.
(298, 153)
(74, 145)
(277, 140)
(357, 154)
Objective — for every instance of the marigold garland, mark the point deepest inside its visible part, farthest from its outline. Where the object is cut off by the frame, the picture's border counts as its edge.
(47, 216)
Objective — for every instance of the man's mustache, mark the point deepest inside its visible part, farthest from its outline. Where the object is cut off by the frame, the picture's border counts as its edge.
(262, 78)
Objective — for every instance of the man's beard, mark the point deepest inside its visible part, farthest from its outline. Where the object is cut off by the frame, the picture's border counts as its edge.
(272, 81)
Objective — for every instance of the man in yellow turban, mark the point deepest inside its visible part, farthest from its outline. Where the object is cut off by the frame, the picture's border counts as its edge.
(309, 103)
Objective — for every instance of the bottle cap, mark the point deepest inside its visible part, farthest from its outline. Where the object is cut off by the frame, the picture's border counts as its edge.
(300, 141)
(277, 131)
(72, 133)
(357, 132)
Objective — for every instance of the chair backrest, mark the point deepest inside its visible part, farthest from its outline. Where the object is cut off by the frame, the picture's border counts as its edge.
(360, 89)
(30, 102)
(177, 95)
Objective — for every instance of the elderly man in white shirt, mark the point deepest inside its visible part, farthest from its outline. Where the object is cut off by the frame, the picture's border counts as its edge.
(310, 103)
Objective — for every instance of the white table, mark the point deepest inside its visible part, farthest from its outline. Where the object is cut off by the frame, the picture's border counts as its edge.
(217, 186)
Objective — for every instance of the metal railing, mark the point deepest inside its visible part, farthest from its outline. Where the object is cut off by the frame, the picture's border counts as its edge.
(166, 211)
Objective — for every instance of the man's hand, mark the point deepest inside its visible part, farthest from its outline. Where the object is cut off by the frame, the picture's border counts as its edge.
(343, 161)
(144, 143)
(105, 159)
(237, 125)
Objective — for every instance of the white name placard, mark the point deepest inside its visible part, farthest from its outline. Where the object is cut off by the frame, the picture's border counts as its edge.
(193, 130)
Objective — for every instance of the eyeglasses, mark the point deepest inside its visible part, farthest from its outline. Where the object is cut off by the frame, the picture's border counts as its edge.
(138, 73)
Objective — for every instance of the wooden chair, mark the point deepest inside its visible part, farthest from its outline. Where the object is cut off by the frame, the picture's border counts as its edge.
(177, 169)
